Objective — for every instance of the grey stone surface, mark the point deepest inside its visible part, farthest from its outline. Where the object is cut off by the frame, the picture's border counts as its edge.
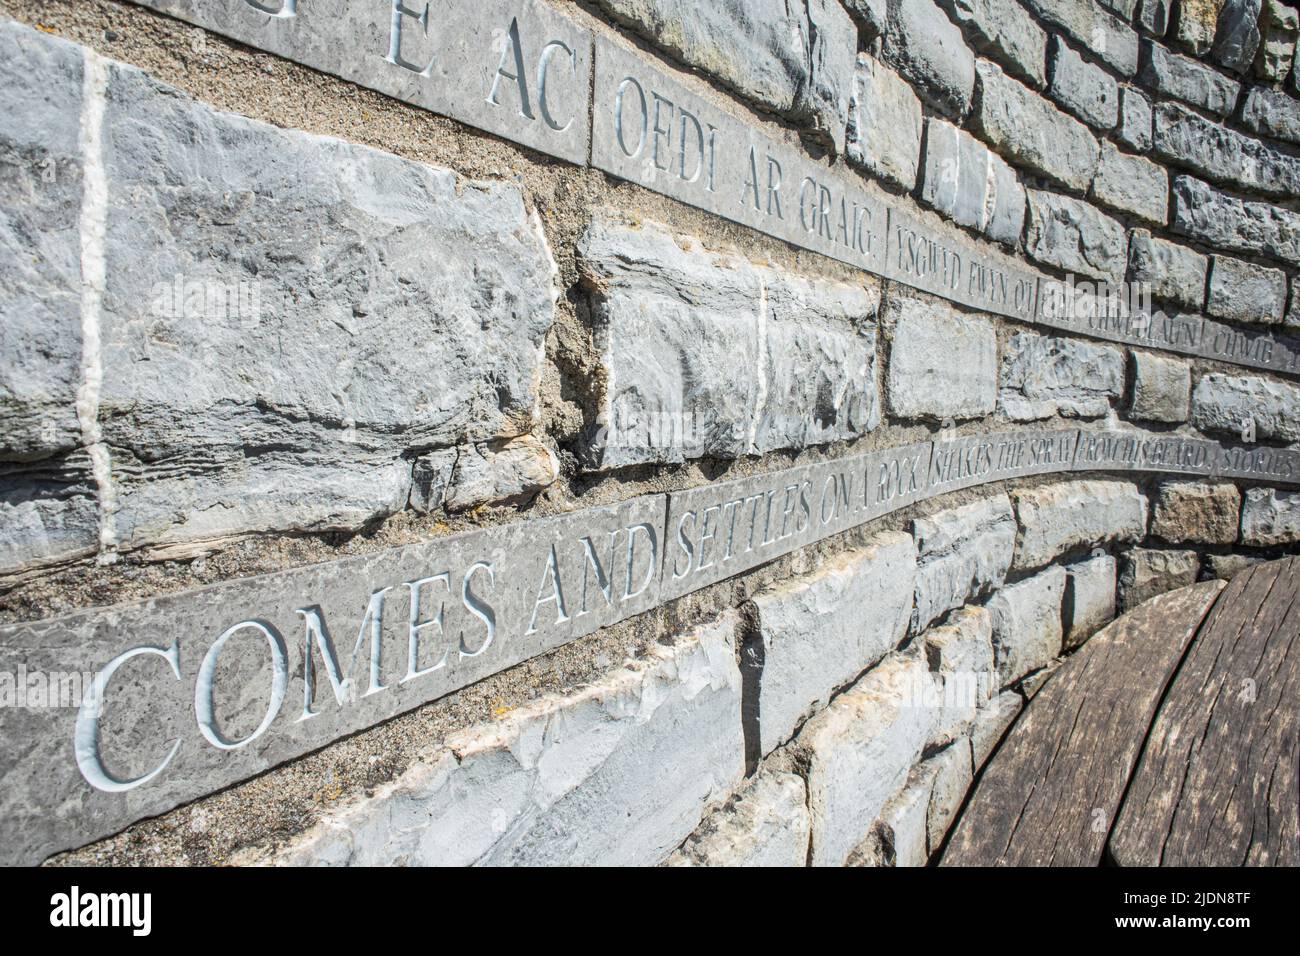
(971, 185)
(505, 471)
(1004, 31)
(1194, 512)
(1236, 35)
(1279, 25)
(1146, 572)
(1135, 120)
(991, 723)
(1026, 620)
(766, 824)
(1173, 272)
(1270, 517)
(291, 375)
(430, 479)
(960, 656)
(1075, 236)
(871, 16)
(726, 164)
(1272, 113)
(963, 554)
(618, 773)
(1028, 130)
(709, 355)
(1186, 138)
(1225, 567)
(41, 90)
(1195, 24)
(925, 378)
(1089, 601)
(899, 835)
(1222, 403)
(1133, 185)
(884, 128)
(1085, 90)
(1237, 225)
(1088, 25)
(952, 779)
(1042, 376)
(793, 59)
(1244, 292)
(817, 633)
(1155, 16)
(1292, 317)
(487, 600)
(1162, 388)
(859, 751)
(1059, 518)
(1183, 78)
(458, 62)
(927, 48)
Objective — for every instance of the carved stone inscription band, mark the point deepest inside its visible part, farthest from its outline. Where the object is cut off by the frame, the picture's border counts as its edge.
(195, 691)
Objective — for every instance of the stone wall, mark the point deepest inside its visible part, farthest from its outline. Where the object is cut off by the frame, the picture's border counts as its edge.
(714, 420)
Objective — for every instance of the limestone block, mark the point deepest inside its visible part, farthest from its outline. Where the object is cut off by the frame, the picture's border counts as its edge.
(1270, 517)
(1089, 602)
(1223, 403)
(1055, 519)
(1244, 292)
(1196, 512)
(884, 129)
(942, 363)
(765, 824)
(1145, 572)
(963, 554)
(1026, 620)
(1043, 375)
(1075, 236)
(1162, 388)
(1173, 272)
(927, 48)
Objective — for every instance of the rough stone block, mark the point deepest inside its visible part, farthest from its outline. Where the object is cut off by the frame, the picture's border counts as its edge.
(1155, 16)
(1186, 138)
(884, 131)
(871, 16)
(1279, 25)
(506, 471)
(430, 478)
(1145, 572)
(1029, 131)
(1044, 375)
(1197, 513)
(1244, 292)
(928, 49)
(960, 656)
(1292, 317)
(1026, 619)
(766, 824)
(1162, 388)
(1132, 184)
(1223, 403)
(1075, 236)
(246, 333)
(1270, 518)
(1089, 602)
(1085, 90)
(1236, 35)
(1272, 113)
(709, 355)
(952, 779)
(991, 725)
(1174, 273)
(971, 185)
(1056, 519)
(1135, 120)
(793, 59)
(1183, 78)
(1225, 567)
(963, 554)
(1237, 225)
(1004, 31)
(819, 632)
(618, 773)
(925, 379)
(899, 835)
(859, 752)
(1195, 23)
(1091, 27)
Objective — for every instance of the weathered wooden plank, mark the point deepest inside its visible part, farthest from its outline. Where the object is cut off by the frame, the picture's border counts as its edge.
(1050, 795)
(1217, 784)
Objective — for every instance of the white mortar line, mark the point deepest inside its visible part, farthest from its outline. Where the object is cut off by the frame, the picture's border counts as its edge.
(93, 225)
